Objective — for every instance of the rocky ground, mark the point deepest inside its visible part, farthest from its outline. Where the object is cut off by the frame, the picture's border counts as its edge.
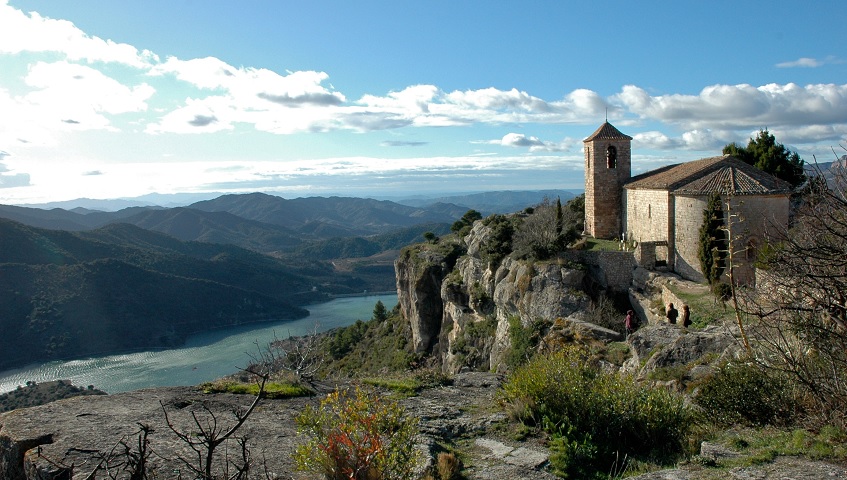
(463, 417)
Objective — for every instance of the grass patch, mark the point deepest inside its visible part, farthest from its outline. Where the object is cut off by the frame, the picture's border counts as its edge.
(272, 389)
(615, 352)
(705, 310)
(410, 384)
(598, 245)
(403, 386)
(763, 445)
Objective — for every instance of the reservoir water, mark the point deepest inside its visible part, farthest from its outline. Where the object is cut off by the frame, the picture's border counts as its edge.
(204, 356)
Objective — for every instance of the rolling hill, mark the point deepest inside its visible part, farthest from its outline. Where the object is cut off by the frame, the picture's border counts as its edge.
(66, 294)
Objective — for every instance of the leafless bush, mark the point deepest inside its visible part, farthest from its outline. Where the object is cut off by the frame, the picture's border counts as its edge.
(209, 433)
(802, 303)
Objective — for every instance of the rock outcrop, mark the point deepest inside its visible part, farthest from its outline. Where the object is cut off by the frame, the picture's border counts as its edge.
(70, 438)
(477, 296)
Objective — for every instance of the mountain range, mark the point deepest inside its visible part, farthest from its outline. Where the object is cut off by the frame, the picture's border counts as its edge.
(83, 282)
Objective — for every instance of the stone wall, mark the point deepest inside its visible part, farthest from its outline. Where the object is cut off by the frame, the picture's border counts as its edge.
(656, 216)
(754, 220)
(603, 217)
(689, 218)
(612, 270)
(647, 218)
(759, 218)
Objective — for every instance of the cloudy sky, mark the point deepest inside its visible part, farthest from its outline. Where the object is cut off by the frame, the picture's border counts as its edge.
(108, 98)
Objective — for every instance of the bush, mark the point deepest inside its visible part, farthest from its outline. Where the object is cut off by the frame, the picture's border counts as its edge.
(745, 393)
(499, 242)
(595, 417)
(524, 340)
(356, 434)
(448, 466)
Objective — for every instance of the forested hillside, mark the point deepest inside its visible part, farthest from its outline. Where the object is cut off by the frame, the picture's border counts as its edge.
(67, 294)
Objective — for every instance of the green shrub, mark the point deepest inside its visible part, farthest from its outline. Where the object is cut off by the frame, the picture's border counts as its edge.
(744, 393)
(593, 416)
(356, 434)
(499, 242)
(523, 340)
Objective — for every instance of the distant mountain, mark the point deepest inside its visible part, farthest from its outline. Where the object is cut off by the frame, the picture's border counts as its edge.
(66, 294)
(190, 224)
(830, 171)
(494, 202)
(358, 247)
(266, 223)
(329, 216)
(90, 204)
(77, 219)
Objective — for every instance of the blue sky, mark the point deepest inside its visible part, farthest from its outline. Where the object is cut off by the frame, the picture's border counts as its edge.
(108, 99)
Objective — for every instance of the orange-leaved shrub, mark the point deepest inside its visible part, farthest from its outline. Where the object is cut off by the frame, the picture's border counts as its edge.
(357, 434)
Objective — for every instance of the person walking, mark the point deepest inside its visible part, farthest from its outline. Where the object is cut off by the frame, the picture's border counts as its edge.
(672, 313)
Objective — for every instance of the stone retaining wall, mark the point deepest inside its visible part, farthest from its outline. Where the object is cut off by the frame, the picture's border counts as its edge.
(612, 270)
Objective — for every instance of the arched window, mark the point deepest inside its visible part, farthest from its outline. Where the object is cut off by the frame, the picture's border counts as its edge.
(611, 156)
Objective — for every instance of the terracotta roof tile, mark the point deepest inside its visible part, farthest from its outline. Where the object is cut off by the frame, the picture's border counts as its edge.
(607, 131)
(711, 175)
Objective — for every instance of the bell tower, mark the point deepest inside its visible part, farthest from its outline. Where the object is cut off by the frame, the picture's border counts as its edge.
(608, 155)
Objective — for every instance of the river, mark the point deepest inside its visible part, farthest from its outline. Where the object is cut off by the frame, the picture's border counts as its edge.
(204, 356)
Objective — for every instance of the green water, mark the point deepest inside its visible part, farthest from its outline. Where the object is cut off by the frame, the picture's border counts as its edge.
(204, 357)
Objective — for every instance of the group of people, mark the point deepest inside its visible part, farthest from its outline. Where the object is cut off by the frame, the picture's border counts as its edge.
(672, 314)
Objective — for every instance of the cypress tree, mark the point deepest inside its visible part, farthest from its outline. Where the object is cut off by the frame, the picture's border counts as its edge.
(712, 244)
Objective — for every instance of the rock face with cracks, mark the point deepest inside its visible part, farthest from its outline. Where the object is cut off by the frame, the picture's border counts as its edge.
(36, 442)
(69, 437)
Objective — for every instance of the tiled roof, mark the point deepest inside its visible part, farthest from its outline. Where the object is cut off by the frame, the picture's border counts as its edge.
(607, 131)
(724, 174)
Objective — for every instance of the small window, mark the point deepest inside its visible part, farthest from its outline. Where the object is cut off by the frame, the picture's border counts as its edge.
(611, 157)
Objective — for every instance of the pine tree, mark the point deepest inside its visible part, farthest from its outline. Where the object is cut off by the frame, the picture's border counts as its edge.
(766, 154)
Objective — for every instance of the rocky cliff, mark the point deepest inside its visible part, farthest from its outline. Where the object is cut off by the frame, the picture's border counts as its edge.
(465, 308)
(462, 306)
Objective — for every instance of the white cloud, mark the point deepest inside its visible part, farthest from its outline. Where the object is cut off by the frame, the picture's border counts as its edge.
(21, 32)
(520, 140)
(699, 140)
(534, 144)
(736, 107)
(804, 62)
(271, 102)
(78, 96)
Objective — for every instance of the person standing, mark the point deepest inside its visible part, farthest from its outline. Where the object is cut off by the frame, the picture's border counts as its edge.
(686, 316)
(672, 313)
(629, 322)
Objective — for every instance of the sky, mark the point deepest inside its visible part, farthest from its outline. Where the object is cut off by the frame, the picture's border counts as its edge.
(119, 99)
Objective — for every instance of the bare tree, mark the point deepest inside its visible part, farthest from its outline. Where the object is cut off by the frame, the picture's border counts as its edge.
(209, 433)
(546, 230)
(803, 302)
(733, 235)
(301, 356)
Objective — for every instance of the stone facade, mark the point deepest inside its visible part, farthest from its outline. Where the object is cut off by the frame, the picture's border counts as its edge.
(647, 220)
(753, 218)
(662, 210)
(608, 155)
(612, 270)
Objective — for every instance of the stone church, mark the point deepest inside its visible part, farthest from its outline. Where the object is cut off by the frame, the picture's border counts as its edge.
(661, 211)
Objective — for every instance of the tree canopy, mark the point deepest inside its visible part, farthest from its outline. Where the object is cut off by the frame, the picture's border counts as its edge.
(768, 155)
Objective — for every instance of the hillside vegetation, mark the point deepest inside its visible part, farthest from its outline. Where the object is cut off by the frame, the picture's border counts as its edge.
(67, 294)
